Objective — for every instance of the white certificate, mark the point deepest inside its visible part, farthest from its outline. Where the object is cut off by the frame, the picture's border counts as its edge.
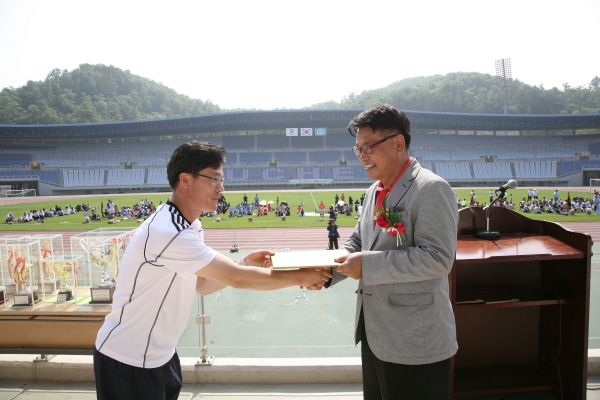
(306, 259)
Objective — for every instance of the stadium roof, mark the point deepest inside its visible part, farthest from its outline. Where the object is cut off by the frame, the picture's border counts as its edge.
(270, 120)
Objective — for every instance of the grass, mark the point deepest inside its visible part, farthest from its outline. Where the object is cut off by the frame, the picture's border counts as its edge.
(294, 198)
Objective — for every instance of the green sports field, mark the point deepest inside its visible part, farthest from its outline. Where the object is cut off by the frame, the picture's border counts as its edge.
(309, 198)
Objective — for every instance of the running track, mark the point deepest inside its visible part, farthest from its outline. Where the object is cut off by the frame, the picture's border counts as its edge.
(280, 239)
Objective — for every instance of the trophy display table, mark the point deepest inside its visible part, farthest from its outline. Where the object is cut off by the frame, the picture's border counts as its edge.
(521, 304)
(51, 328)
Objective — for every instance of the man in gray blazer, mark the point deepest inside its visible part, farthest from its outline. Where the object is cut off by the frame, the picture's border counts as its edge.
(402, 258)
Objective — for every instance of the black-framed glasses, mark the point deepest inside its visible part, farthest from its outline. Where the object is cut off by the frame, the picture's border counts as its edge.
(215, 181)
(369, 149)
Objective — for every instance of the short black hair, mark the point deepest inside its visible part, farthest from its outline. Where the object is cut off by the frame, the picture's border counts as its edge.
(385, 118)
(193, 157)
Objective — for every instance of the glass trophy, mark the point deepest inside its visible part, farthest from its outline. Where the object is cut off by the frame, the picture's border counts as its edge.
(21, 259)
(64, 268)
(102, 254)
(51, 247)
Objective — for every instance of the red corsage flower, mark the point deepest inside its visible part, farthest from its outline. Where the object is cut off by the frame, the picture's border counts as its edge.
(390, 222)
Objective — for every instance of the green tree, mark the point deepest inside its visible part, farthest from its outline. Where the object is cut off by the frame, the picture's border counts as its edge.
(11, 111)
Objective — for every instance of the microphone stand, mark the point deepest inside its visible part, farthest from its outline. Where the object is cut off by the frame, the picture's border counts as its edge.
(487, 234)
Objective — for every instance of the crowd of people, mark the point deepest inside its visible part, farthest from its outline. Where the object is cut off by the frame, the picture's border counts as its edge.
(560, 206)
(533, 204)
(39, 215)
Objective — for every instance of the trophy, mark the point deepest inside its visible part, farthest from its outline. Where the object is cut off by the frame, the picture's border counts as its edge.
(63, 269)
(20, 271)
(101, 253)
(46, 262)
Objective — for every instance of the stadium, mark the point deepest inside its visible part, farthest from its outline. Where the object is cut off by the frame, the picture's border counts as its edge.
(297, 149)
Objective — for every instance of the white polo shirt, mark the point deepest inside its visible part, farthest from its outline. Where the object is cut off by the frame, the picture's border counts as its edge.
(155, 289)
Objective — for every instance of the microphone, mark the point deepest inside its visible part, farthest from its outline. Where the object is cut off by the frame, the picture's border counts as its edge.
(493, 235)
(511, 184)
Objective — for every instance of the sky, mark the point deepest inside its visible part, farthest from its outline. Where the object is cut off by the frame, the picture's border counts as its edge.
(270, 54)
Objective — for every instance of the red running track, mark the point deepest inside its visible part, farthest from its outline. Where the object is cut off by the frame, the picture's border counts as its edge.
(297, 238)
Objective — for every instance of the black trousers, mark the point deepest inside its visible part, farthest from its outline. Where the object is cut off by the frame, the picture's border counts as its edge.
(333, 242)
(388, 381)
(118, 381)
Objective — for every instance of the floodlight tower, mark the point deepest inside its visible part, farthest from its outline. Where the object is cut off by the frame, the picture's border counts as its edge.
(109, 84)
(504, 73)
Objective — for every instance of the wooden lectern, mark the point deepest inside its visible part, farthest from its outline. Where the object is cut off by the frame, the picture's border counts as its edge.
(521, 304)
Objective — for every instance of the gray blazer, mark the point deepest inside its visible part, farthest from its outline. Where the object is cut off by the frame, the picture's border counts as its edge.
(404, 290)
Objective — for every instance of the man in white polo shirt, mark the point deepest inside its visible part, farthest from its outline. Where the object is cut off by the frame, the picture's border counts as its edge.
(166, 262)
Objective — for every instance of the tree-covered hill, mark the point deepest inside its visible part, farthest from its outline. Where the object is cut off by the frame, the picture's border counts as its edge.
(472, 92)
(76, 97)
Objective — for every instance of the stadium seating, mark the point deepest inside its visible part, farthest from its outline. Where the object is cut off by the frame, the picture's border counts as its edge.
(258, 157)
(14, 160)
(290, 156)
(325, 156)
(51, 177)
(498, 170)
(83, 177)
(535, 169)
(105, 160)
(453, 171)
(150, 160)
(346, 173)
(125, 177)
(454, 157)
(571, 167)
(157, 177)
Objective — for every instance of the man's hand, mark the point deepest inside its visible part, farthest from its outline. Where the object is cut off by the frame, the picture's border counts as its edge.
(314, 278)
(259, 258)
(351, 265)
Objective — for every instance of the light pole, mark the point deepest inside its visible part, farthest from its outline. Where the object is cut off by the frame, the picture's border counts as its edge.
(504, 73)
(109, 84)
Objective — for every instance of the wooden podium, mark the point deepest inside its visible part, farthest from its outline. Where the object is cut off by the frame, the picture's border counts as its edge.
(524, 306)
(51, 328)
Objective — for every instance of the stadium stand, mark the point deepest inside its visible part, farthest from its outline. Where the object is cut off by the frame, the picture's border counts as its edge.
(453, 171)
(51, 177)
(259, 157)
(594, 148)
(239, 174)
(346, 173)
(238, 142)
(559, 151)
(499, 170)
(432, 155)
(308, 173)
(307, 142)
(150, 160)
(14, 160)
(571, 167)
(290, 156)
(511, 152)
(60, 160)
(102, 165)
(325, 156)
(273, 142)
(272, 174)
(535, 169)
(105, 160)
(125, 177)
(83, 177)
(157, 176)
(468, 153)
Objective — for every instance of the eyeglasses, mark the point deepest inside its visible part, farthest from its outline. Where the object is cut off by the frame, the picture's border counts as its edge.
(215, 181)
(369, 149)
